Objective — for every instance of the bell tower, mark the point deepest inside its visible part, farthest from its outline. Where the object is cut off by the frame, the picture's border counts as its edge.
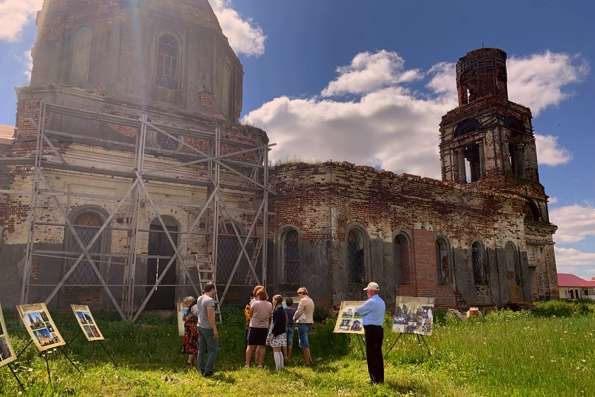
(487, 137)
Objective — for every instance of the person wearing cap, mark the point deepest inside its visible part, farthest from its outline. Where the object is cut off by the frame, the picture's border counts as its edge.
(303, 319)
(372, 312)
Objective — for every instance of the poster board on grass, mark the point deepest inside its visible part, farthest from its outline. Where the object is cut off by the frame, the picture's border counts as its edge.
(6, 352)
(413, 315)
(86, 321)
(348, 322)
(181, 311)
(40, 326)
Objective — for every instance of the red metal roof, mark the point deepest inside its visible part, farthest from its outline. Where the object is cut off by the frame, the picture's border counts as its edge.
(570, 280)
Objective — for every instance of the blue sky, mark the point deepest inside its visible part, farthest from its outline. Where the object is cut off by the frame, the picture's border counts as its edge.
(401, 53)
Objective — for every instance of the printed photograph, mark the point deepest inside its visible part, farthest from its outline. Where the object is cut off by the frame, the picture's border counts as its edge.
(348, 322)
(34, 320)
(81, 317)
(4, 349)
(413, 315)
(86, 322)
(45, 337)
(40, 326)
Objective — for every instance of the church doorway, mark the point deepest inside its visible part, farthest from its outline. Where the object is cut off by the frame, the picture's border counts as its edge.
(160, 253)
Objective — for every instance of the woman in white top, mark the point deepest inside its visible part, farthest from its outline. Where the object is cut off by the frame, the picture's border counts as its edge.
(261, 311)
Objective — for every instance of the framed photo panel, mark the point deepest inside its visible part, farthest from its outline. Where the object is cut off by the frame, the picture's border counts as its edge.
(181, 312)
(6, 351)
(40, 326)
(86, 321)
(414, 315)
(348, 322)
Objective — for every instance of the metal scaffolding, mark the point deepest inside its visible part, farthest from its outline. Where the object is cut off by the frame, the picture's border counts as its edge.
(154, 156)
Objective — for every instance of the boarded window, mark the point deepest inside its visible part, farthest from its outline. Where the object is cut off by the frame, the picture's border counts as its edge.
(402, 260)
(442, 261)
(167, 61)
(86, 226)
(355, 248)
(480, 271)
(291, 256)
(513, 263)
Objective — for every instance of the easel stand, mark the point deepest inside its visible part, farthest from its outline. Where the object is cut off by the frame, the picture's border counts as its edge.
(45, 355)
(14, 373)
(360, 342)
(101, 344)
(421, 339)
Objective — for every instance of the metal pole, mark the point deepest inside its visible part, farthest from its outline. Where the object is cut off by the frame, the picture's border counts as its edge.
(133, 235)
(216, 181)
(34, 200)
(265, 217)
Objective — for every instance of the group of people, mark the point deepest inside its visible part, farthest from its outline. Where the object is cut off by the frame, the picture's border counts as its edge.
(272, 323)
(268, 323)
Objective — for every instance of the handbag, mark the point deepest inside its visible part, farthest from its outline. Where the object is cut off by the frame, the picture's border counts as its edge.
(270, 335)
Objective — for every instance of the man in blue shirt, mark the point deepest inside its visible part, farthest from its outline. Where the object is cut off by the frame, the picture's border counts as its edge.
(373, 316)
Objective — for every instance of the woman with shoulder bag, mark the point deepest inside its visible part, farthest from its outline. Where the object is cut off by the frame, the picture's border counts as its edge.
(277, 338)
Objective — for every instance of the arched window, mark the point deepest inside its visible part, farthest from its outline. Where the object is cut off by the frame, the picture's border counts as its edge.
(401, 259)
(513, 263)
(356, 256)
(442, 261)
(290, 256)
(480, 271)
(532, 212)
(161, 252)
(167, 61)
(86, 225)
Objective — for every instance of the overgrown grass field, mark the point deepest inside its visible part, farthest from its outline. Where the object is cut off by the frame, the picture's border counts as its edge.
(502, 354)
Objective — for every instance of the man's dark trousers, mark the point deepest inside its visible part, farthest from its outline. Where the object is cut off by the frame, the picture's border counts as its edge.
(374, 336)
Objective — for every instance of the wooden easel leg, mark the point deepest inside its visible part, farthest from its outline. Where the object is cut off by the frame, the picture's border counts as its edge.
(21, 386)
(70, 360)
(421, 339)
(108, 354)
(24, 348)
(47, 366)
(393, 345)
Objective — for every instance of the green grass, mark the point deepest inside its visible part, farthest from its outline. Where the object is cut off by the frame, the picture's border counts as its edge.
(502, 354)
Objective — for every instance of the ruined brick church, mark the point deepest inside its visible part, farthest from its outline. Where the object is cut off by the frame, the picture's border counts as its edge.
(130, 182)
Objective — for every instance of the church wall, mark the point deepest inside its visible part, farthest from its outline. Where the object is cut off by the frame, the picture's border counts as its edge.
(325, 200)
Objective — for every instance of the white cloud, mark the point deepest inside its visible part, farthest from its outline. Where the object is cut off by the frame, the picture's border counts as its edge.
(369, 72)
(537, 81)
(553, 200)
(575, 222)
(549, 152)
(571, 260)
(379, 121)
(28, 62)
(14, 15)
(245, 37)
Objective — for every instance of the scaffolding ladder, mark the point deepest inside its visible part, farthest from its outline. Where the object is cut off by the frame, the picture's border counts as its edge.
(206, 274)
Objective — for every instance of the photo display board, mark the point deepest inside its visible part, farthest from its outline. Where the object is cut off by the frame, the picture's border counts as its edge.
(41, 327)
(6, 352)
(413, 315)
(181, 311)
(348, 322)
(87, 323)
